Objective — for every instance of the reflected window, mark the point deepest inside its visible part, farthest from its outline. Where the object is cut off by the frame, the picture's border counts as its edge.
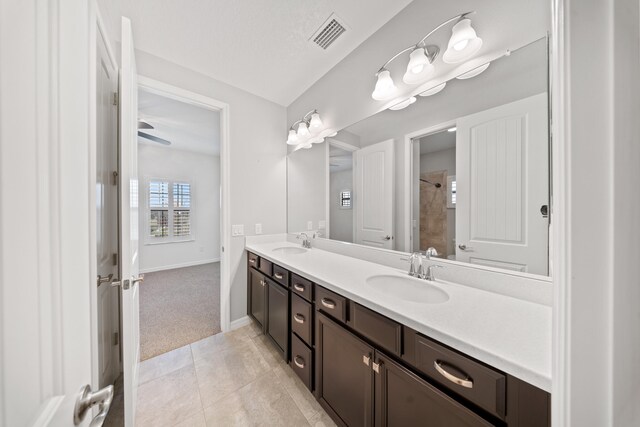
(345, 199)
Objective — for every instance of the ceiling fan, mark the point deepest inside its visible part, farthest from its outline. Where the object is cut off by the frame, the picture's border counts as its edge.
(145, 125)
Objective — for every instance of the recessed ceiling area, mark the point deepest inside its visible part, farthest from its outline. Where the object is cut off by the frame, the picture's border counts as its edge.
(262, 47)
(186, 126)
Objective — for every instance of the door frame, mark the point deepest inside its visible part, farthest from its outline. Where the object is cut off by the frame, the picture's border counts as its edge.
(408, 175)
(327, 191)
(183, 95)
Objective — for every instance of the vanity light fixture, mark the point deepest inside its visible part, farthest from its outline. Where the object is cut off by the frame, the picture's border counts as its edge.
(463, 44)
(403, 104)
(308, 131)
(474, 72)
(434, 90)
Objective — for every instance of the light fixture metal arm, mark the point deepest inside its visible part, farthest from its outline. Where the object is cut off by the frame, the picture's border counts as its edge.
(421, 43)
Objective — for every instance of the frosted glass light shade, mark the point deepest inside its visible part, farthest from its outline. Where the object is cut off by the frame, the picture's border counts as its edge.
(316, 123)
(463, 44)
(403, 104)
(385, 88)
(417, 61)
(412, 78)
(474, 72)
(303, 130)
(293, 137)
(434, 90)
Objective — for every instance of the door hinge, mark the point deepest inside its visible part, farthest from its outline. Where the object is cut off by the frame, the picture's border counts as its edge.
(116, 338)
(115, 178)
(114, 259)
(115, 98)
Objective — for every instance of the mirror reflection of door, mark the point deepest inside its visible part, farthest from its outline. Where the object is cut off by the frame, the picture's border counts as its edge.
(503, 180)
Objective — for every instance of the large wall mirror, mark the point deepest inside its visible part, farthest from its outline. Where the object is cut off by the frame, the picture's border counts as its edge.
(463, 169)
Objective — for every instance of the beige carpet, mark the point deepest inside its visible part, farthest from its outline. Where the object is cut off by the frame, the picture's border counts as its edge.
(178, 307)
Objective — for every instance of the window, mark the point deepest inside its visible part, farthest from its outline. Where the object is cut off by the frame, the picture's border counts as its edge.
(169, 211)
(345, 199)
(451, 185)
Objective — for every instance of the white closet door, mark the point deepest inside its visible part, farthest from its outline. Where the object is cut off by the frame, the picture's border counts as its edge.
(502, 168)
(373, 198)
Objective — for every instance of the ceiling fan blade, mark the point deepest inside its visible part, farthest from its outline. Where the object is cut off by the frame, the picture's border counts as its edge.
(144, 125)
(154, 138)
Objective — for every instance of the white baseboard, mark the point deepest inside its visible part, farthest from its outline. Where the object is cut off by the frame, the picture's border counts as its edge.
(184, 264)
(239, 323)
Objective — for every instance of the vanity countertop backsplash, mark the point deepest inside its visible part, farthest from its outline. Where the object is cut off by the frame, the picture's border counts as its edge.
(500, 319)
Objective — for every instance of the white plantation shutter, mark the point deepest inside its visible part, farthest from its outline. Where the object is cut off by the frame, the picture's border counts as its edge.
(169, 211)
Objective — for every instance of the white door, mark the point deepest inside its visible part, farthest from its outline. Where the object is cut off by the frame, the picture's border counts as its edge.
(502, 168)
(373, 198)
(129, 222)
(107, 214)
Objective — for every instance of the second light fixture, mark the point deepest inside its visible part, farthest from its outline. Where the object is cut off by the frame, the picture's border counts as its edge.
(463, 44)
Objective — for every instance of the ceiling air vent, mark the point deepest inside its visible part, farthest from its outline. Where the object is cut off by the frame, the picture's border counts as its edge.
(329, 31)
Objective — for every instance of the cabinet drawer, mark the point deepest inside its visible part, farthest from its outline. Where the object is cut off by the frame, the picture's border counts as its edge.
(331, 303)
(302, 287)
(301, 318)
(265, 266)
(302, 361)
(379, 329)
(281, 275)
(253, 260)
(472, 380)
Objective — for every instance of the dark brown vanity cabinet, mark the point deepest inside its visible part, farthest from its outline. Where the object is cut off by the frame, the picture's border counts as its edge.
(404, 399)
(344, 378)
(257, 296)
(277, 327)
(268, 300)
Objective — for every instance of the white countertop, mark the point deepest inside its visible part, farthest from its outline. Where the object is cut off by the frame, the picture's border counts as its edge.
(511, 334)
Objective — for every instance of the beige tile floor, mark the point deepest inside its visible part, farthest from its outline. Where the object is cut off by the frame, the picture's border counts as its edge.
(230, 379)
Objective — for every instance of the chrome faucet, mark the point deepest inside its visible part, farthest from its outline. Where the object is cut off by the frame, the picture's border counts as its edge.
(415, 265)
(429, 275)
(431, 252)
(306, 243)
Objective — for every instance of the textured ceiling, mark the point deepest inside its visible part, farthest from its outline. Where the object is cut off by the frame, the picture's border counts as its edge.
(186, 126)
(261, 46)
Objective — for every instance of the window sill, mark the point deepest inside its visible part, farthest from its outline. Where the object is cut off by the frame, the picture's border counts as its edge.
(168, 242)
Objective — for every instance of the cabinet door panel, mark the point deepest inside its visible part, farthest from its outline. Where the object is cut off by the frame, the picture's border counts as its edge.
(343, 374)
(257, 297)
(278, 316)
(404, 399)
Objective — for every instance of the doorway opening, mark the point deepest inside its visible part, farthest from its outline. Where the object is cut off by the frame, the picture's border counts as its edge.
(179, 222)
(433, 192)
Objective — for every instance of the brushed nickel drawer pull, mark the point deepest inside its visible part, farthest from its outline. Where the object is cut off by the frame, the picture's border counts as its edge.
(252, 260)
(262, 282)
(467, 382)
(298, 318)
(366, 359)
(278, 276)
(299, 364)
(328, 303)
(376, 367)
(298, 287)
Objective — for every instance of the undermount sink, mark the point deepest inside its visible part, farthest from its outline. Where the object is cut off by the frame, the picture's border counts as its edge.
(290, 250)
(408, 289)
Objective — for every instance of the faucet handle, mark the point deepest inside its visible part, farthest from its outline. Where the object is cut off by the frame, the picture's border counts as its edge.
(429, 274)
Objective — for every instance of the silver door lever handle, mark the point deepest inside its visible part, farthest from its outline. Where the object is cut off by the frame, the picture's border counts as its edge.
(104, 279)
(87, 399)
(139, 279)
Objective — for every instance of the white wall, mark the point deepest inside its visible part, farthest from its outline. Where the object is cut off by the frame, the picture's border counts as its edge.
(258, 160)
(341, 220)
(203, 173)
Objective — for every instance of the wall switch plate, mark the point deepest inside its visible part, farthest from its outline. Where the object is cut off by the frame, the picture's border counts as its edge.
(237, 230)
(258, 228)
(309, 225)
(322, 224)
